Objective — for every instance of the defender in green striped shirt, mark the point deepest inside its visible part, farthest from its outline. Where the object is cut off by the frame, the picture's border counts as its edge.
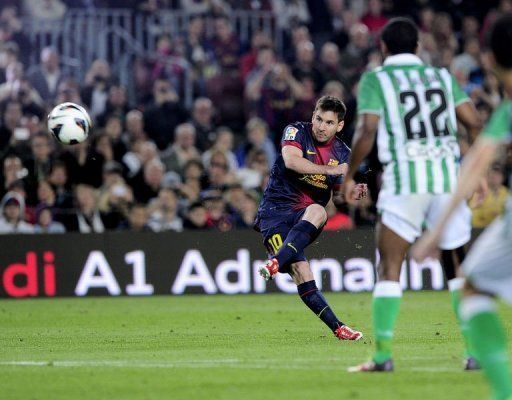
(488, 267)
(412, 110)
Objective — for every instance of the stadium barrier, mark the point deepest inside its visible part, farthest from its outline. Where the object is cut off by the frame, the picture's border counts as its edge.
(119, 263)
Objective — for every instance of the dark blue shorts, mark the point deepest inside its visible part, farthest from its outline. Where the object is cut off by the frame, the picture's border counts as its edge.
(274, 226)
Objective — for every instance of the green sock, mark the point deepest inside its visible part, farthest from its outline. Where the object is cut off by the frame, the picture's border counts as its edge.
(386, 303)
(455, 288)
(487, 336)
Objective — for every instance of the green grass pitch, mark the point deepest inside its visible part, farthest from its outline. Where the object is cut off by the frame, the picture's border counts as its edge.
(225, 347)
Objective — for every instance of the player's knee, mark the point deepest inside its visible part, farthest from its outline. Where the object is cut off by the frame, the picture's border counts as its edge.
(316, 214)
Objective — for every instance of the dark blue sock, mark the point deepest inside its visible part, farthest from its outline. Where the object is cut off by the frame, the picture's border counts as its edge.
(314, 299)
(298, 238)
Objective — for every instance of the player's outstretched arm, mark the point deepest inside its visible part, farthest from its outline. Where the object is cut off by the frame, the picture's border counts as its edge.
(474, 167)
(294, 160)
(362, 144)
(469, 117)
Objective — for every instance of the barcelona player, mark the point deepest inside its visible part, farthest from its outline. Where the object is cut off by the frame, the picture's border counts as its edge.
(292, 212)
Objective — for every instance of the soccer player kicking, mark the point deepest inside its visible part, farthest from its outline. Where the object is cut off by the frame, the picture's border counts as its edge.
(488, 267)
(413, 108)
(292, 212)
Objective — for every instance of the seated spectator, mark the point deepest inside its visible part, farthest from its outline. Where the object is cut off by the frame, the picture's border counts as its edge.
(13, 132)
(114, 130)
(255, 169)
(13, 170)
(374, 19)
(12, 215)
(163, 212)
(142, 151)
(68, 90)
(247, 210)
(226, 46)
(217, 211)
(152, 179)
(114, 195)
(292, 12)
(202, 119)
(45, 194)
(182, 150)
(494, 202)
(196, 217)
(39, 164)
(95, 91)
(193, 172)
(134, 127)
(224, 143)
(330, 63)
(306, 65)
(217, 175)
(88, 218)
(248, 61)
(99, 154)
(163, 116)
(59, 180)
(116, 105)
(45, 222)
(137, 220)
(257, 138)
(46, 77)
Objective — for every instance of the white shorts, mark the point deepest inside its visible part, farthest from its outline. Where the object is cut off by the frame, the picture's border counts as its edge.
(488, 265)
(406, 215)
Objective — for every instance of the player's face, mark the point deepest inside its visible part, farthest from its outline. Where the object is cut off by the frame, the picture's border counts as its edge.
(325, 125)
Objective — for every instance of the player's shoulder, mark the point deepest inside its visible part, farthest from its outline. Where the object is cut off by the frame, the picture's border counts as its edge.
(341, 145)
(296, 128)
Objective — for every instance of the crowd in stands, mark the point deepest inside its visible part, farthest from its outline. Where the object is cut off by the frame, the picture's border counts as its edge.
(152, 164)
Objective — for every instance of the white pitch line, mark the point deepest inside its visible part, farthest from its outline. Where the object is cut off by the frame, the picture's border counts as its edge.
(197, 364)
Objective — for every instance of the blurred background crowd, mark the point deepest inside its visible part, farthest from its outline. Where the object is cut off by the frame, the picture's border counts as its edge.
(189, 99)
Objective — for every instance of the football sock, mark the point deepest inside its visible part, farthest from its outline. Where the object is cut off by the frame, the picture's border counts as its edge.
(387, 296)
(317, 303)
(455, 288)
(487, 336)
(298, 238)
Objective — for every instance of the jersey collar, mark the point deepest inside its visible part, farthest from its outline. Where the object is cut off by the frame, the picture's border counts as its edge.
(403, 59)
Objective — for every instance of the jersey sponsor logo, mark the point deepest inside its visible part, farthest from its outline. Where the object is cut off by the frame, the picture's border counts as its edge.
(415, 150)
(332, 162)
(317, 180)
(290, 133)
(310, 152)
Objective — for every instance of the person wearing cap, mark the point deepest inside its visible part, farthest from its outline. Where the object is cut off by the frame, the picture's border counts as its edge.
(12, 213)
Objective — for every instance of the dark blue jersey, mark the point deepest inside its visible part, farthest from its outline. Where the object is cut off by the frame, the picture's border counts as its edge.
(289, 190)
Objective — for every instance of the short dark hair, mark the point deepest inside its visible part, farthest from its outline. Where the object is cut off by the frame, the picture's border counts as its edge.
(330, 103)
(500, 38)
(400, 36)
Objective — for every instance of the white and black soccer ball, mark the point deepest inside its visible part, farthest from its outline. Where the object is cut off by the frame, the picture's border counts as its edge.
(69, 123)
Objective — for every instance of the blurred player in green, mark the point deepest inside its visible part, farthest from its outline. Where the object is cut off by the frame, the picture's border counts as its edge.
(412, 110)
(488, 266)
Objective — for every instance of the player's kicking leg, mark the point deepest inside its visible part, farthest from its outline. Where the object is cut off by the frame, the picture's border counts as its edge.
(299, 237)
(314, 299)
(387, 296)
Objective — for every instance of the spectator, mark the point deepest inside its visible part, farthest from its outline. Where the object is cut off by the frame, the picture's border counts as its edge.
(354, 58)
(305, 65)
(47, 76)
(374, 18)
(59, 180)
(202, 119)
(152, 179)
(197, 217)
(39, 164)
(96, 90)
(134, 124)
(45, 222)
(218, 175)
(224, 143)
(164, 115)
(469, 59)
(290, 12)
(330, 62)
(248, 61)
(13, 170)
(88, 218)
(45, 11)
(137, 219)
(116, 105)
(182, 150)
(163, 212)
(114, 131)
(336, 220)
(114, 195)
(226, 46)
(257, 138)
(12, 214)
(217, 210)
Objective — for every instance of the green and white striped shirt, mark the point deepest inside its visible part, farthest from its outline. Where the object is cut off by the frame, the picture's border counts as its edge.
(416, 137)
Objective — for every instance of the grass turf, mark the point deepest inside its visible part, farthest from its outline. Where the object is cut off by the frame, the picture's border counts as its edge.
(225, 347)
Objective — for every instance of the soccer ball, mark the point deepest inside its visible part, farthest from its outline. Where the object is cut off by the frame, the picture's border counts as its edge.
(69, 123)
